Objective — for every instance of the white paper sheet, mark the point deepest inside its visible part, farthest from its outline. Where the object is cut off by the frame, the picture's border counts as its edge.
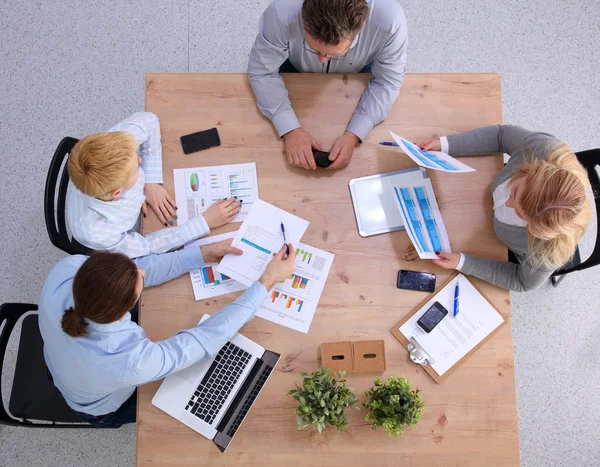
(435, 160)
(422, 218)
(259, 237)
(454, 336)
(293, 303)
(207, 281)
(199, 187)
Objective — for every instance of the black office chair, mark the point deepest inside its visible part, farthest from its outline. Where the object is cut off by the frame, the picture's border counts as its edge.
(591, 161)
(55, 217)
(33, 395)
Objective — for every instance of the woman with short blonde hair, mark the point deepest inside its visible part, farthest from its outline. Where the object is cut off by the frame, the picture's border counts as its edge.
(541, 204)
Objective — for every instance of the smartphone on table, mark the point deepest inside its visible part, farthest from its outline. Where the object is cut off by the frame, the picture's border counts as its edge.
(201, 140)
(432, 317)
(321, 158)
(414, 280)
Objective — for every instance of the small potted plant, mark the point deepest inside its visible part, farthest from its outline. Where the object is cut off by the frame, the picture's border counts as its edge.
(393, 405)
(323, 400)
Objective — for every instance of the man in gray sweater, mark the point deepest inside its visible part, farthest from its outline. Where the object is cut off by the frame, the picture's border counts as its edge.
(328, 36)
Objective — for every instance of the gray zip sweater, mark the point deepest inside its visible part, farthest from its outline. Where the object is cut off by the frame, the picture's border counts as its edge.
(518, 143)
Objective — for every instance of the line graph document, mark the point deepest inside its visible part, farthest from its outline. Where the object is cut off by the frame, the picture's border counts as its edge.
(259, 237)
(293, 303)
(435, 160)
(199, 187)
(207, 281)
(422, 218)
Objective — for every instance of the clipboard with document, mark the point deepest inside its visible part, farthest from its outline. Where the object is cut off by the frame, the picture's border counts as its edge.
(455, 338)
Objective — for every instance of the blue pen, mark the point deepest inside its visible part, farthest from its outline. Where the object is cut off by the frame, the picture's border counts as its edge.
(456, 292)
(388, 143)
(287, 248)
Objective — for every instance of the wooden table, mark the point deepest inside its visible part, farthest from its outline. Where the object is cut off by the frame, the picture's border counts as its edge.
(471, 419)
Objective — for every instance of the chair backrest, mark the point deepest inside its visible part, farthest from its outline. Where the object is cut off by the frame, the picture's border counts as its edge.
(55, 218)
(591, 161)
(9, 315)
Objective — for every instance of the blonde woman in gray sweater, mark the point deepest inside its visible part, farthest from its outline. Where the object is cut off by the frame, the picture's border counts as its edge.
(541, 204)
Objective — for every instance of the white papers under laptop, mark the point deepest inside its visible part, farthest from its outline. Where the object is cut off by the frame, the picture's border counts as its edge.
(214, 395)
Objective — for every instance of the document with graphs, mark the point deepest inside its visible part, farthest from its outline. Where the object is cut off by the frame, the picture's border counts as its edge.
(293, 303)
(259, 237)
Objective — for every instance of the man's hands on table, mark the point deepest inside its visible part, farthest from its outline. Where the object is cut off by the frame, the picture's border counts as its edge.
(298, 148)
(299, 145)
(341, 152)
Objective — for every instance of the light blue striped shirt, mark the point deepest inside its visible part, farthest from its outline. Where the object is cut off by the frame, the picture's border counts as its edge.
(97, 373)
(106, 225)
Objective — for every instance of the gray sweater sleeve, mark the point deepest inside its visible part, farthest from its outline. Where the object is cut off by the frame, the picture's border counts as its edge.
(517, 277)
(388, 69)
(270, 50)
(498, 138)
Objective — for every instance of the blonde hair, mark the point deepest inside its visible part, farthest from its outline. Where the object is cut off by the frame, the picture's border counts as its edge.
(556, 203)
(100, 163)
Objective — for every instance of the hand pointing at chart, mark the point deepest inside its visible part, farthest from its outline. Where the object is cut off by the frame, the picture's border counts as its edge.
(280, 268)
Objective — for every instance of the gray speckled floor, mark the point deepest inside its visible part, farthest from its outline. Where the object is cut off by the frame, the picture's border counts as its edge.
(77, 67)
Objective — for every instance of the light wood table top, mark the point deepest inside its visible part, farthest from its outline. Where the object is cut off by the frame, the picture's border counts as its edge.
(470, 419)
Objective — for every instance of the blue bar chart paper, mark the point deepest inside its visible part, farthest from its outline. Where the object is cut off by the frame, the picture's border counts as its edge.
(422, 218)
(435, 160)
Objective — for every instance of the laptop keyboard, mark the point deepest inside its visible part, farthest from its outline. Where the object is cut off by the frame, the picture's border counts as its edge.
(217, 384)
(250, 400)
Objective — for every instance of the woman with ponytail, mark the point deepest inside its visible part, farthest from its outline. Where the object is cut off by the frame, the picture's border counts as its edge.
(97, 355)
(541, 204)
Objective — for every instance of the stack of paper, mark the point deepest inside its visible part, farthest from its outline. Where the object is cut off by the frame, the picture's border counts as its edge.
(291, 303)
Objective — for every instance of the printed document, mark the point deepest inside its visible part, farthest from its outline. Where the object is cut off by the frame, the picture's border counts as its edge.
(293, 303)
(454, 336)
(207, 281)
(435, 160)
(422, 218)
(199, 187)
(259, 237)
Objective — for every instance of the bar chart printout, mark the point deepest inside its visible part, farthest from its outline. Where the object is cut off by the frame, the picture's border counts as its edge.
(422, 218)
(293, 302)
(207, 281)
(198, 188)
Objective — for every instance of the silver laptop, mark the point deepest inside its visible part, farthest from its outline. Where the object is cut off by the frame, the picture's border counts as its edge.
(214, 396)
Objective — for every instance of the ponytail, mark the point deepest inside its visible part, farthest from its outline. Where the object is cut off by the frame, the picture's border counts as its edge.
(72, 324)
(104, 289)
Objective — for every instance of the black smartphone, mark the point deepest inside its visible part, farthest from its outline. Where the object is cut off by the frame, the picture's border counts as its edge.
(432, 317)
(322, 158)
(200, 141)
(414, 280)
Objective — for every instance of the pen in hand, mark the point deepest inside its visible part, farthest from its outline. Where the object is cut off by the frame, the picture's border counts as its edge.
(287, 248)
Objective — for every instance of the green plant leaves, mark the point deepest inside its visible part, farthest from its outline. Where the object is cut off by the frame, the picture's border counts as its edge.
(322, 400)
(393, 405)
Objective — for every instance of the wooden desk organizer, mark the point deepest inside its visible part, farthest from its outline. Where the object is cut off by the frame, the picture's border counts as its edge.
(354, 357)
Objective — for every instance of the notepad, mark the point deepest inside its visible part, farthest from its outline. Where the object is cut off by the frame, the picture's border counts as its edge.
(455, 336)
